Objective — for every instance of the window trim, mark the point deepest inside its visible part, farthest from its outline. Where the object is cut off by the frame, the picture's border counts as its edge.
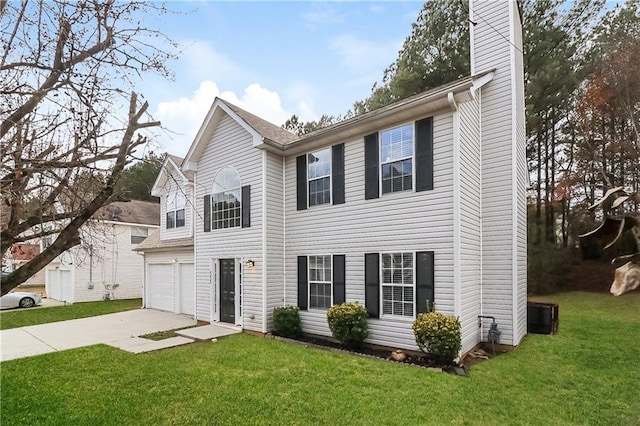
(381, 162)
(175, 202)
(382, 285)
(329, 175)
(309, 282)
(237, 189)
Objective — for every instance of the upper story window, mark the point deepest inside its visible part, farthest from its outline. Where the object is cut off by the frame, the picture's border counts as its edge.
(176, 204)
(319, 176)
(226, 199)
(396, 158)
(399, 159)
(138, 234)
(398, 284)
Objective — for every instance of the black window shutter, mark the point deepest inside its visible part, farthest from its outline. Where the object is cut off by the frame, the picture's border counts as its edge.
(372, 284)
(246, 206)
(301, 181)
(337, 173)
(207, 213)
(424, 280)
(303, 283)
(371, 167)
(424, 154)
(339, 290)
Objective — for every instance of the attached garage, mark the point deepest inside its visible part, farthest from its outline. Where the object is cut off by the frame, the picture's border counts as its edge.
(160, 286)
(169, 283)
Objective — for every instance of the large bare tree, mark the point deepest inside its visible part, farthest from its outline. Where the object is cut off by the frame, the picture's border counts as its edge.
(70, 120)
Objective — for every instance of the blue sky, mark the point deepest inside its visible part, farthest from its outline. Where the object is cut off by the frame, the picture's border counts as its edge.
(274, 59)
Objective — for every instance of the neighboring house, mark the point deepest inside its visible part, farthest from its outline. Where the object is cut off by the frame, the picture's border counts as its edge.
(421, 202)
(168, 253)
(104, 265)
(18, 255)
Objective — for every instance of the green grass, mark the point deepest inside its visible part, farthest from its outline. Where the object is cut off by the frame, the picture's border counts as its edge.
(587, 374)
(21, 318)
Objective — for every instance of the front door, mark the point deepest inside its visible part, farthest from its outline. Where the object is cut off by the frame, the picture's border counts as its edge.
(227, 291)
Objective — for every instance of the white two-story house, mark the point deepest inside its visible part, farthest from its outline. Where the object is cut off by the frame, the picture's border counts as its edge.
(421, 202)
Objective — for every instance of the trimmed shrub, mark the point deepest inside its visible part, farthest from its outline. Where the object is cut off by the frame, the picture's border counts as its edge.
(286, 321)
(348, 323)
(439, 335)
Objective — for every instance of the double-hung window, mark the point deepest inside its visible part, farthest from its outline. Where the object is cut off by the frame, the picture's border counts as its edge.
(176, 204)
(396, 158)
(226, 199)
(320, 282)
(398, 284)
(319, 177)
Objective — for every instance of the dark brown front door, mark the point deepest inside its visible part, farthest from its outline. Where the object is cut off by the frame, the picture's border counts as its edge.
(227, 291)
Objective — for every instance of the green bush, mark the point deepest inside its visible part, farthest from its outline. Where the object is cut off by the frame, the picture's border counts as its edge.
(348, 323)
(286, 321)
(439, 335)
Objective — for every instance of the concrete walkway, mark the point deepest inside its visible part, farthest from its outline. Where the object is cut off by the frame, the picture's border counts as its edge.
(119, 329)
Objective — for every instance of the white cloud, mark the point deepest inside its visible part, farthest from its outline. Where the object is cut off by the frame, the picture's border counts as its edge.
(200, 61)
(185, 115)
(361, 55)
(321, 15)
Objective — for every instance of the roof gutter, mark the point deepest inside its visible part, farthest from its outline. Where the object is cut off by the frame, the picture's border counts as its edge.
(408, 109)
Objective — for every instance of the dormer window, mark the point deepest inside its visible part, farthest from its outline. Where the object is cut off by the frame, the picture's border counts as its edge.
(176, 204)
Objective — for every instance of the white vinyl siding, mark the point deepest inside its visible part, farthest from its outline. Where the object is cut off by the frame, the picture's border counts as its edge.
(470, 248)
(176, 194)
(114, 267)
(230, 144)
(274, 236)
(421, 221)
(503, 170)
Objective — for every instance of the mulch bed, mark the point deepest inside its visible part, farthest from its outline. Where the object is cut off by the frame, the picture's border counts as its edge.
(410, 358)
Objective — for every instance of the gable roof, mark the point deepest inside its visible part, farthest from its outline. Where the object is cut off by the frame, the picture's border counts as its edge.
(262, 132)
(154, 243)
(263, 127)
(174, 162)
(269, 136)
(134, 211)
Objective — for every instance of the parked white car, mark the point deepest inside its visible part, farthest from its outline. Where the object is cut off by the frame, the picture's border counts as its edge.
(19, 299)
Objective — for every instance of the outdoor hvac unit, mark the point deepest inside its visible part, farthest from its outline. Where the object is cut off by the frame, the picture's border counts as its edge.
(542, 318)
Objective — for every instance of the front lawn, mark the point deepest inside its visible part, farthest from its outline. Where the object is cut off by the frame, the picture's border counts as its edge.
(587, 374)
(22, 318)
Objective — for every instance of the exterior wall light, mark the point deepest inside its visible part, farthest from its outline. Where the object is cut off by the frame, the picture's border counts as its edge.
(250, 263)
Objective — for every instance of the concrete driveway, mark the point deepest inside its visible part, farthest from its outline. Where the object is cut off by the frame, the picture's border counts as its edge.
(58, 336)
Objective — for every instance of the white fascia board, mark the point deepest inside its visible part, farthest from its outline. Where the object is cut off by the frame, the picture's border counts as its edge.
(486, 77)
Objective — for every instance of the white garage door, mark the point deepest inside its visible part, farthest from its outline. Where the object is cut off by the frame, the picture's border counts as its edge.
(58, 285)
(186, 288)
(160, 293)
